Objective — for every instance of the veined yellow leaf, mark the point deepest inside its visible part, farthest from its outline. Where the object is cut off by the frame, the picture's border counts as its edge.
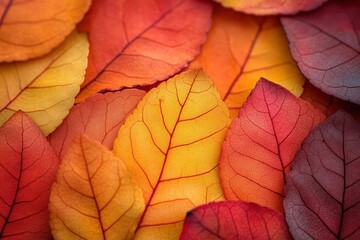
(94, 197)
(171, 145)
(44, 88)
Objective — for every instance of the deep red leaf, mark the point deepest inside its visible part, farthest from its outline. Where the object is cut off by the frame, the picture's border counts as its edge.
(262, 142)
(28, 167)
(99, 117)
(323, 189)
(133, 42)
(325, 43)
(234, 220)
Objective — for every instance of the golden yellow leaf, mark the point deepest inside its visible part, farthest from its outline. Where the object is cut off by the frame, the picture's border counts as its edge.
(30, 29)
(240, 49)
(171, 145)
(94, 196)
(44, 88)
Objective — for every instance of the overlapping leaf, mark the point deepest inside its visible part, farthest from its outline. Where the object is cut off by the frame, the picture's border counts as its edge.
(325, 44)
(151, 42)
(234, 220)
(271, 7)
(171, 145)
(30, 29)
(28, 167)
(262, 142)
(99, 117)
(44, 88)
(242, 48)
(94, 197)
(323, 189)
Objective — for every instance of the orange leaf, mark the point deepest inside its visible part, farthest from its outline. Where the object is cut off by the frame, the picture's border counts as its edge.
(171, 145)
(262, 142)
(94, 197)
(28, 167)
(242, 48)
(141, 43)
(30, 29)
(99, 117)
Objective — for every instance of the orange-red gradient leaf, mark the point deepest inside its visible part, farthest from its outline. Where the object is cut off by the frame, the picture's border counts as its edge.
(323, 188)
(242, 48)
(94, 196)
(99, 117)
(45, 88)
(28, 168)
(30, 29)
(234, 220)
(271, 7)
(262, 142)
(325, 43)
(133, 42)
(171, 145)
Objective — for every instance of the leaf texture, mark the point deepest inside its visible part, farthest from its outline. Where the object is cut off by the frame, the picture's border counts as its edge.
(44, 88)
(262, 142)
(323, 190)
(271, 7)
(171, 145)
(30, 29)
(325, 44)
(234, 220)
(94, 196)
(242, 48)
(152, 41)
(28, 168)
(99, 117)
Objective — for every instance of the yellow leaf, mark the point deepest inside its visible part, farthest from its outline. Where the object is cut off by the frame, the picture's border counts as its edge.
(94, 197)
(171, 145)
(240, 49)
(44, 88)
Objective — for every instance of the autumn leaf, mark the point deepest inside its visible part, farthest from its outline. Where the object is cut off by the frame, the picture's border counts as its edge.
(325, 44)
(30, 29)
(262, 142)
(271, 7)
(28, 167)
(141, 43)
(44, 88)
(99, 117)
(171, 145)
(234, 220)
(242, 48)
(94, 196)
(322, 190)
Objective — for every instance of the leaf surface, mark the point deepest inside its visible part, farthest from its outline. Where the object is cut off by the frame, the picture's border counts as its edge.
(99, 117)
(94, 196)
(262, 142)
(30, 29)
(234, 220)
(323, 189)
(151, 42)
(325, 44)
(28, 168)
(242, 48)
(271, 7)
(171, 145)
(44, 88)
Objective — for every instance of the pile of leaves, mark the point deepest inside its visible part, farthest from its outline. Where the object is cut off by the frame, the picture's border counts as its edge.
(190, 119)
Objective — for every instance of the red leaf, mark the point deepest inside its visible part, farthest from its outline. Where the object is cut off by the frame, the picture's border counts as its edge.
(136, 43)
(325, 44)
(28, 167)
(234, 220)
(262, 142)
(323, 189)
(99, 117)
